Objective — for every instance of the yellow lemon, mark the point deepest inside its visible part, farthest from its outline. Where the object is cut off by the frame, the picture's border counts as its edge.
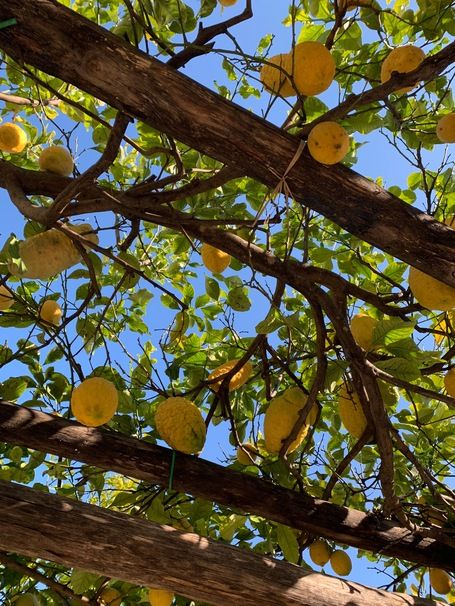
(236, 381)
(12, 138)
(56, 159)
(94, 402)
(449, 382)
(351, 413)
(274, 77)
(341, 563)
(445, 128)
(242, 456)
(110, 597)
(429, 292)
(227, 2)
(440, 581)
(6, 298)
(49, 253)
(214, 259)
(328, 142)
(281, 416)
(180, 424)
(362, 328)
(313, 68)
(402, 59)
(50, 311)
(160, 597)
(319, 552)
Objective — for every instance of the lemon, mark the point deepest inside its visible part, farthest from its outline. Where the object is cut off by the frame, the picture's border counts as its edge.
(243, 458)
(445, 128)
(180, 424)
(440, 581)
(178, 327)
(214, 259)
(319, 552)
(328, 142)
(341, 563)
(56, 159)
(362, 328)
(430, 292)
(12, 138)
(49, 253)
(227, 2)
(94, 402)
(351, 413)
(110, 597)
(51, 312)
(449, 382)
(274, 79)
(313, 68)
(236, 381)
(402, 59)
(281, 416)
(161, 597)
(6, 298)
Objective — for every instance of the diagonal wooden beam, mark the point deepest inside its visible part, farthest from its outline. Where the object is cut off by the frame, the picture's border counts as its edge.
(106, 542)
(84, 54)
(134, 458)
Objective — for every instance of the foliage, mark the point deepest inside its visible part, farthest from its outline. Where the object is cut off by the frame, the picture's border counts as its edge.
(142, 311)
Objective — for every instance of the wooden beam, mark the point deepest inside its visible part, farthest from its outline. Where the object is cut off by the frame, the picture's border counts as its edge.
(134, 458)
(82, 53)
(72, 533)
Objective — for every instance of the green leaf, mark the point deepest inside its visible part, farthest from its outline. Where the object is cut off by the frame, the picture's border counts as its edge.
(400, 368)
(288, 543)
(238, 299)
(212, 288)
(13, 388)
(83, 581)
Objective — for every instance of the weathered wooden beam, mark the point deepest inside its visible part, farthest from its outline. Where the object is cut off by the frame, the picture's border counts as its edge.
(134, 458)
(84, 54)
(38, 524)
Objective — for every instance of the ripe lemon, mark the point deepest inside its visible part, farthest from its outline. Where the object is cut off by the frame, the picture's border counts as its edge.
(178, 328)
(51, 312)
(49, 253)
(445, 129)
(429, 292)
(341, 563)
(236, 381)
(281, 416)
(12, 138)
(110, 597)
(402, 59)
(362, 328)
(94, 402)
(274, 79)
(161, 597)
(449, 382)
(313, 68)
(56, 159)
(328, 142)
(243, 458)
(180, 424)
(351, 413)
(319, 552)
(214, 259)
(6, 298)
(440, 581)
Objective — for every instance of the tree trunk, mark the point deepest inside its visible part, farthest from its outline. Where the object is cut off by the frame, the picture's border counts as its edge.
(134, 458)
(37, 524)
(80, 52)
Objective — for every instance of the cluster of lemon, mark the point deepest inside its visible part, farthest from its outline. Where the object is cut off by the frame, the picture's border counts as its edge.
(309, 69)
(320, 554)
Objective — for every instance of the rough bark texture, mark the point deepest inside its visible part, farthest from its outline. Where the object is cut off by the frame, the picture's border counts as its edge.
(150, 463)
(41, 525)
(80, 52)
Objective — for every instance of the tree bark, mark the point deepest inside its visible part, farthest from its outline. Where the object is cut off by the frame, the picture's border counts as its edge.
(38, 524)
(150, 463)
(80, 52)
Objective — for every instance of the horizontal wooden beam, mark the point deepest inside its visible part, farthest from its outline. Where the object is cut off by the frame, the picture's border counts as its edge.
(111, 451)
(76, 534)
(82, 53)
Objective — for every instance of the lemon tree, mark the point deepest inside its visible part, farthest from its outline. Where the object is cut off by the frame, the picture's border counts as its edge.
(283, 242)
